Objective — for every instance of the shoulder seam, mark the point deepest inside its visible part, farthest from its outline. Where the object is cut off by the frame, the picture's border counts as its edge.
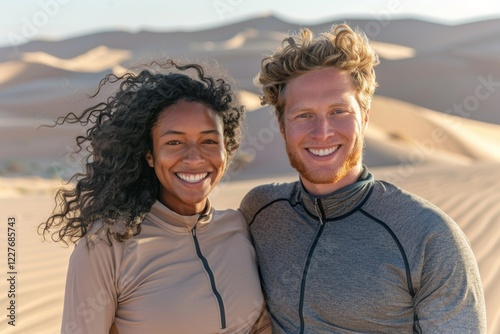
(401, 249)
(266, 206)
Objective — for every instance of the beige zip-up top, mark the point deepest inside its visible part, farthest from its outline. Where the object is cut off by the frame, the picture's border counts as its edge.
(181, 274)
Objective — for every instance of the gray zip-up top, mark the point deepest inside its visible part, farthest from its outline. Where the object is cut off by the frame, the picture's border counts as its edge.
(368, 258)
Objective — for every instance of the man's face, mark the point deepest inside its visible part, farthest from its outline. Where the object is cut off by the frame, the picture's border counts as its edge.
(323, 127)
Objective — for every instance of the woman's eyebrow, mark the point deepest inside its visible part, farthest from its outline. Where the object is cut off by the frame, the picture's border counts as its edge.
(176, 132)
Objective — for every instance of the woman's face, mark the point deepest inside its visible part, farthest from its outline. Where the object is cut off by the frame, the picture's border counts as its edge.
(189, 157)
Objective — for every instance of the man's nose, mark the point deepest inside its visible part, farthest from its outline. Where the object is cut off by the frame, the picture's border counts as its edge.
(322, 128)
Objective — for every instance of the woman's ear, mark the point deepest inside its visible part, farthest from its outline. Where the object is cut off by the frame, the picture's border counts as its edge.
(226, 162)
(150, 159)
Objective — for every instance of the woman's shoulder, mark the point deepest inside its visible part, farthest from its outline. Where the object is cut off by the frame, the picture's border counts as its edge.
(101, 237)
(228, 215)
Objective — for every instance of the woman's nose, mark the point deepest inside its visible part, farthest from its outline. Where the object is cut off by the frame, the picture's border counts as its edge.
(193, 154)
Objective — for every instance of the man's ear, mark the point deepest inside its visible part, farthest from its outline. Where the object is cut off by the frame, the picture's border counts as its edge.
(282, 127)
(150, 159)
(366, 118)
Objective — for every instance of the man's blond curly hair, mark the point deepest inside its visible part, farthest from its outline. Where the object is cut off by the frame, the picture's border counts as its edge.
(342, 47)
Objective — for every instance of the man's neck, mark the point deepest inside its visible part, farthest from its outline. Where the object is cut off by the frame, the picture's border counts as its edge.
(320, 189)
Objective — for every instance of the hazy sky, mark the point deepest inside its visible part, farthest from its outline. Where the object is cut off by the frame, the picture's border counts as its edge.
(25, 20)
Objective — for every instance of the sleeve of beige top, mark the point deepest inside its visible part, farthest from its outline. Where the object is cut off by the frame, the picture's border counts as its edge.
(90, 297)
(263, 324)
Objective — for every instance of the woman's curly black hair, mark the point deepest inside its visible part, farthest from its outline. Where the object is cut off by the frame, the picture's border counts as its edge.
(117, 187)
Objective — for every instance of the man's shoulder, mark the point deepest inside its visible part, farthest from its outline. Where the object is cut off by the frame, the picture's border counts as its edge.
(263, 195)
(397, 206)
(399, 197)
(269, 192)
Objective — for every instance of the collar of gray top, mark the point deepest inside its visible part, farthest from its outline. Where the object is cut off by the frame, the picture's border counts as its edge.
(342, 201)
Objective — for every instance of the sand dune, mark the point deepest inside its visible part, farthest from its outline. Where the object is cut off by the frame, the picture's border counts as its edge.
(455, 57)
(9, 70)
(41, 268)
(234, 42)
(96, 60)
(393, 51)
(434, 130)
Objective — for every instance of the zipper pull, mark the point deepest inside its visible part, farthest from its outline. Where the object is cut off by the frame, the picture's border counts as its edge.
(193, 231)
(319, 210)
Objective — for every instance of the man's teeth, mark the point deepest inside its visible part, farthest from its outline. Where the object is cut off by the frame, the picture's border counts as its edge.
(323, 152)
(192, 178)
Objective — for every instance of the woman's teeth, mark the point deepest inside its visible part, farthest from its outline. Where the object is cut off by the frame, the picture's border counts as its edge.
(192, 178)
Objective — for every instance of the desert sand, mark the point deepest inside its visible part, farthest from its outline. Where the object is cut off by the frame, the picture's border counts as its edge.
(434, 130)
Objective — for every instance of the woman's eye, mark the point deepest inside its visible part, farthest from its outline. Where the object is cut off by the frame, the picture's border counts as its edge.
(210, 141)
(338, 111)
(173, 142)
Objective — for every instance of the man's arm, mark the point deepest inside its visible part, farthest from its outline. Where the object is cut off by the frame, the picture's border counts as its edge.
(450, 298)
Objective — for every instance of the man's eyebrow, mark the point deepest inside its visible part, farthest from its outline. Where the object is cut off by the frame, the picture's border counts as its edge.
(340, 104)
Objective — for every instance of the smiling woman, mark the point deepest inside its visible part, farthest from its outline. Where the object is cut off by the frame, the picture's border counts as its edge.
(149, 246)
(188, 155)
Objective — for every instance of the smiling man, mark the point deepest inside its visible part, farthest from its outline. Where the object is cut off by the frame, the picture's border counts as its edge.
(341, 252)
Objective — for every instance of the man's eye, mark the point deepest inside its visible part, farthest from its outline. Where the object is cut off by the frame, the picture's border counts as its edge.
(303, 116)
(338, 111)
(173, 142)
